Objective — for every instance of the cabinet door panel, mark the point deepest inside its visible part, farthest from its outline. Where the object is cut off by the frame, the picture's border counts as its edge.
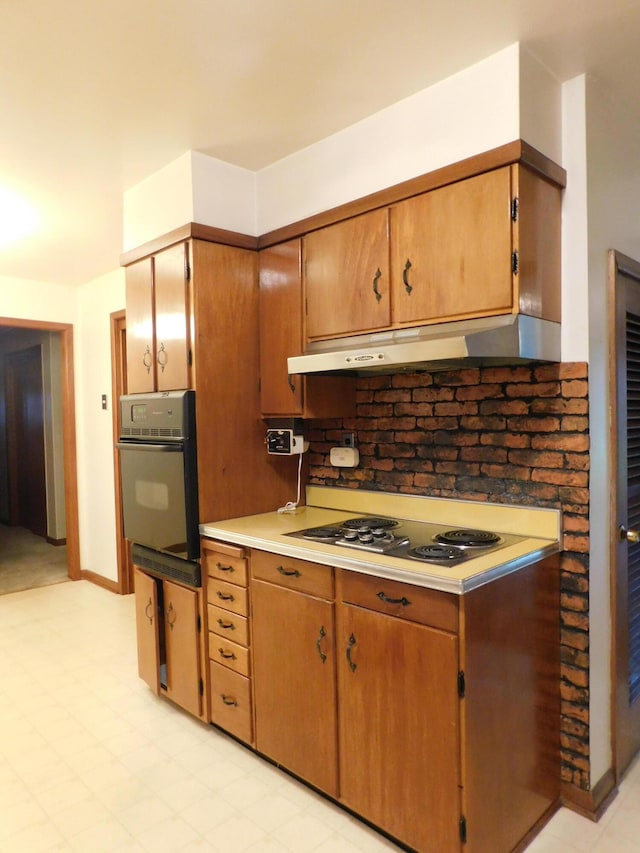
(399, 715)
(140, 323)
(294, 682)
(172, 319)
(346, 269)
(451, 251)
(181, 633)
(146, 598)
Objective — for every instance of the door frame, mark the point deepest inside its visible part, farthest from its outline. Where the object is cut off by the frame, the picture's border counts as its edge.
(68, 433)
(118, 388)
(618, 265)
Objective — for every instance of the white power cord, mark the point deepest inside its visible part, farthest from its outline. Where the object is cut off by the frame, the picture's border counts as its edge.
(290, 506)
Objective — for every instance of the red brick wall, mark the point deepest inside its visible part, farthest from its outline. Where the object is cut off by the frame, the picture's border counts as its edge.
(505, 434)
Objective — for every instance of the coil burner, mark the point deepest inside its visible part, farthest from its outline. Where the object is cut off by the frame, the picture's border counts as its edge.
(464, 538)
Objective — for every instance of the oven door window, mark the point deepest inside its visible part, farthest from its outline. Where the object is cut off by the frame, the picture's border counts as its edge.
(154, 496)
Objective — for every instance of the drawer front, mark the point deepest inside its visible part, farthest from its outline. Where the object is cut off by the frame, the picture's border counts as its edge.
(227, 595)
(226, 567)
(231, 702)
(229, 625)
(414, 603)
(229, 654)
(311, 578)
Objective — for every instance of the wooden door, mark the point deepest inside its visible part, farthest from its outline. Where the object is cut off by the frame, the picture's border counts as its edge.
(147, 629)
(399, 718)
(294, 682)
(172, 321)
(280, 328)
(451, 251)
(28, 489)
(624, 284)
(182, 647)
(140, 325)
(346, 271)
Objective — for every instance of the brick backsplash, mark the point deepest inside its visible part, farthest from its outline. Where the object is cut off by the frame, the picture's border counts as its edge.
(517, 434)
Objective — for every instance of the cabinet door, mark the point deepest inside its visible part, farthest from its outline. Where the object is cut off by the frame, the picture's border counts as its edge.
(294, 682)
(172, 319)
(140, 324)
(182, 647)
(451, 251)
(346, 269)
(399, 718)
(280, 328)
(147, 629)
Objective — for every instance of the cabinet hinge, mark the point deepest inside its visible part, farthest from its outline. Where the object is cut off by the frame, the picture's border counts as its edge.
(514, 262)
(187, 271)
(201, 687)
(461, 684)
(515, 208)
(463, 830)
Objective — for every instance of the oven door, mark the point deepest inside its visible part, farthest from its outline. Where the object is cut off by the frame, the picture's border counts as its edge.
(160, 496)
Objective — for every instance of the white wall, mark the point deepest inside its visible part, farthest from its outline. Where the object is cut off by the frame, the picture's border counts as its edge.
(96, 495)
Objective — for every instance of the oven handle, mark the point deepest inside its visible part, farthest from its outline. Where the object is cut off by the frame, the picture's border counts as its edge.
(178, 447)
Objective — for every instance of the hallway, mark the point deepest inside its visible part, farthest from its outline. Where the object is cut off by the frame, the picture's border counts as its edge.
(28, 561)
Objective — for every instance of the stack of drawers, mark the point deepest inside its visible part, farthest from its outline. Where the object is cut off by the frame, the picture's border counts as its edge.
(229, 641)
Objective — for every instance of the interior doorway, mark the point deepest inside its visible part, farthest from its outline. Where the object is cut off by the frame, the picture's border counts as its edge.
(65, 378)
(624, 299)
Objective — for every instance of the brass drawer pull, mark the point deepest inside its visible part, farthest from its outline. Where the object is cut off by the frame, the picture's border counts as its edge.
(376, 277)
(226, 655)
(222, 568)
(225, 596)
(350, 645)
(226, 626)
(229, 700)
(403, 601)
(408, 287)
(294, 573)
(321, 637)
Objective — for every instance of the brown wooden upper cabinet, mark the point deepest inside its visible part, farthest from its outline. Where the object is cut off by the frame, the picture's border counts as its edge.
(485, 245)
(158, 322)
(283, 394)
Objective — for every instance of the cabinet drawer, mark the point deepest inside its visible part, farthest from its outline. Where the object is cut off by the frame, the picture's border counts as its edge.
(229, 654)
(227, 595)
(229, 625)
(414, 603)
(226, 567)
(311, 578)
(231, 702)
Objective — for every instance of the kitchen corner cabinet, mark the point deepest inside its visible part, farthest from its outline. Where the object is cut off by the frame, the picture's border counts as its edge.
(168, 629)
(283, 394)
(158, 322)
(294, 666)
(485, 245)
(229, 639)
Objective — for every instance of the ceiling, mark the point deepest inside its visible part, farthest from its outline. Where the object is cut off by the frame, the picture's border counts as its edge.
(97, 96)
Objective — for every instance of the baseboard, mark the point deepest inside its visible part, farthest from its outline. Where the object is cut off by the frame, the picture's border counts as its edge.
(53, 541)
(99, 580)
(592, 803)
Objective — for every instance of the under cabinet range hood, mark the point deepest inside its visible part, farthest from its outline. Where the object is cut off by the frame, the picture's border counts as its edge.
(503, 339)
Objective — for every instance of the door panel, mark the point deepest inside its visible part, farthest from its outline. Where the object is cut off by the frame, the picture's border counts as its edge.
(172, 319)
(624, 282)
(140, 345)
(146, 598)
(181, 631)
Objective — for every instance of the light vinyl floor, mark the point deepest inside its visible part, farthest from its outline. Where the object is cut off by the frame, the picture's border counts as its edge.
(91, 760)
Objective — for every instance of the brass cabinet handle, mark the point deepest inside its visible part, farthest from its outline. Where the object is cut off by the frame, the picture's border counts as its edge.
(147, 359)
(171, 611)
(294, 573)
(226, 655)
(408, 287)
(376, 278)
(226, 626)
(350, 645)
(225, 596)
(222, 568)
(148, 614)
(229, 700)
(321, 637)
(162, 358)
(292, 384)
(403, 601)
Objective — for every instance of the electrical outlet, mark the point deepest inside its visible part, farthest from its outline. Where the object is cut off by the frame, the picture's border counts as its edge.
(348, 440)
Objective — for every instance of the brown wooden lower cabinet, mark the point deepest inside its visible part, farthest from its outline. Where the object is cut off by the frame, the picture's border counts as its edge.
(435, 717)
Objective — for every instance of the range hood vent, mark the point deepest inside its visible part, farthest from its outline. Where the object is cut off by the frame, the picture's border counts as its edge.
(503, 339)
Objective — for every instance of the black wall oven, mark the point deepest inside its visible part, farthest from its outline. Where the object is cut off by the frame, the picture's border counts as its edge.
(159, 479)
